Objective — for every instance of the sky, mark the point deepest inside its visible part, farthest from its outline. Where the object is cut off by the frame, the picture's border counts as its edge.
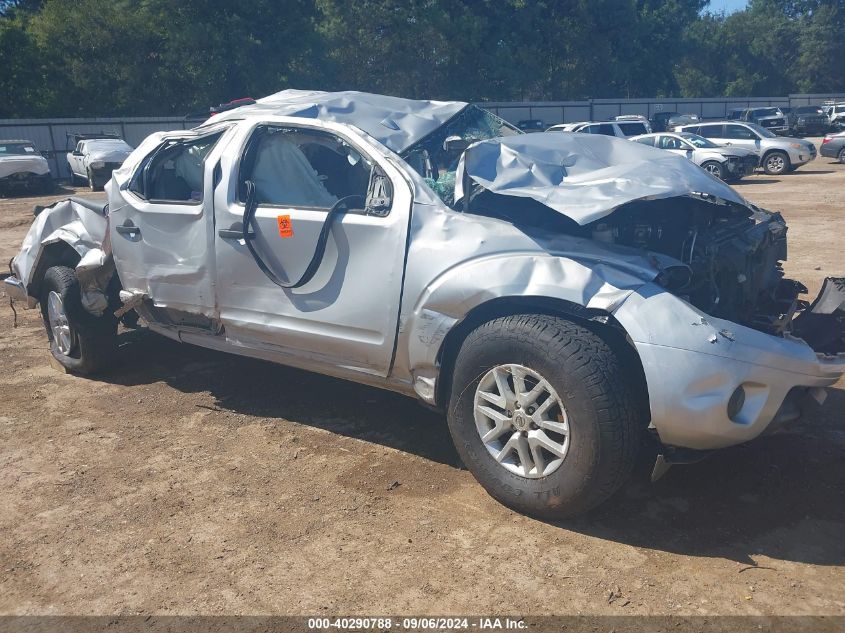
(728, 6)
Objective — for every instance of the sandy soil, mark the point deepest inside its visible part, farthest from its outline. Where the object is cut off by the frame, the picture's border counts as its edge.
(188, 481)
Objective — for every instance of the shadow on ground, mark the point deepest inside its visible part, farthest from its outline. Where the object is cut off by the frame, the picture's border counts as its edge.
(782, 496)
(258, 388)
(754, 181)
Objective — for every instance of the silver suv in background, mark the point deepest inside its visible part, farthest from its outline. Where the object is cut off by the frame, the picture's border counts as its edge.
(778, 154)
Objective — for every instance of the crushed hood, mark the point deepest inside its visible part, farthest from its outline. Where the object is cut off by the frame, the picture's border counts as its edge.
(582, 176)
(19, 163)
(395, 122)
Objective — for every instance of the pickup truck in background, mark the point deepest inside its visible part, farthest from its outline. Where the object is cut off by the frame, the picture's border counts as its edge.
(93, 159)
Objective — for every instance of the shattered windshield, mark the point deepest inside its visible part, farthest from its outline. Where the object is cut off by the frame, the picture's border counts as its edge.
(436, 157)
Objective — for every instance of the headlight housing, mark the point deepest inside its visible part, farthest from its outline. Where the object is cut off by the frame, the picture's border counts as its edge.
(796, 146)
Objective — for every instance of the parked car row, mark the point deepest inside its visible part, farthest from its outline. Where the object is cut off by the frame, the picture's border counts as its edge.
(727, 149)
(23, 169)
(778, 155)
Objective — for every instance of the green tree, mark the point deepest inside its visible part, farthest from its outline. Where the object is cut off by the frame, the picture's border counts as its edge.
(22, 77)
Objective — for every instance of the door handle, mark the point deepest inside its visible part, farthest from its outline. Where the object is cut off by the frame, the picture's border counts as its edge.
(234, 234)
(128, 230)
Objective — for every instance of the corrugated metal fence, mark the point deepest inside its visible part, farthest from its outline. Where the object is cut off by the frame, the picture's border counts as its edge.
(50, 135)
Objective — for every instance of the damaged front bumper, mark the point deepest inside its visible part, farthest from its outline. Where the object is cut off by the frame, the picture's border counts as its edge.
(713, 383)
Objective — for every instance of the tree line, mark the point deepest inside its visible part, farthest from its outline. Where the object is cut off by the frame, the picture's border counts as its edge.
(159, 57)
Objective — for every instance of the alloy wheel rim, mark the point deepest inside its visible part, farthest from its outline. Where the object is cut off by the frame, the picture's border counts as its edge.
(775, 163)
(713, 169)
(63, 335)
(521, 421)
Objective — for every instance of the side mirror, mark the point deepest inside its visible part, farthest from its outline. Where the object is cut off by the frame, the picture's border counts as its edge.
(455, 144)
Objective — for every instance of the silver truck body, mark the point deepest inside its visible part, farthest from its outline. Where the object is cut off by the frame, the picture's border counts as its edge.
(397, 283)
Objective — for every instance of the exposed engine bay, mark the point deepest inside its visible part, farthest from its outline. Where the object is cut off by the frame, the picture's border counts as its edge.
(730, 258)
(733, 256)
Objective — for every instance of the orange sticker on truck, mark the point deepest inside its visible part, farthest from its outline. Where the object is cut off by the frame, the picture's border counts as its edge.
(285, 226)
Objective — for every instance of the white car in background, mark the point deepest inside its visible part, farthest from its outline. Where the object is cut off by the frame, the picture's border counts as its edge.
(619, 129)
(94, 159)
(22, 167)
(726, 163)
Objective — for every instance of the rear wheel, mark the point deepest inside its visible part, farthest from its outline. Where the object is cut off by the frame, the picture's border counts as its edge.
(79, 341)
(715, 168)
(776, 163)
(842, 155)
(543, 414)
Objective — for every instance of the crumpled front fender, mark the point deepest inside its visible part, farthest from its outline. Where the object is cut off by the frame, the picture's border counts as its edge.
(83, 226)
(587, 282)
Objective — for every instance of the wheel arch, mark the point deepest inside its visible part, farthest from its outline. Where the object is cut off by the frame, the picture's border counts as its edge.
(57, 253)
(599, 321)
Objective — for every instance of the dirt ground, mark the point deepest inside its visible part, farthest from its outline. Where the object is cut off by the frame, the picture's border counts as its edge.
(189, 482)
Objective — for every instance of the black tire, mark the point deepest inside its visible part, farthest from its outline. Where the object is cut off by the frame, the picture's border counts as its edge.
(842, 155)
(94, 338)
(776, 163)
(605, 413)
(92, 182)
(714, 167)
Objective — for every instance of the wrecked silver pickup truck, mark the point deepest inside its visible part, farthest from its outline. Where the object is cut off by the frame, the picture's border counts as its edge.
(555, 294)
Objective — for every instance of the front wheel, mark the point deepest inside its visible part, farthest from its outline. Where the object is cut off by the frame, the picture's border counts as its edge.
(842, 155)
(543, 414)
(714, 168)
(776, 163)
(79, 341)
